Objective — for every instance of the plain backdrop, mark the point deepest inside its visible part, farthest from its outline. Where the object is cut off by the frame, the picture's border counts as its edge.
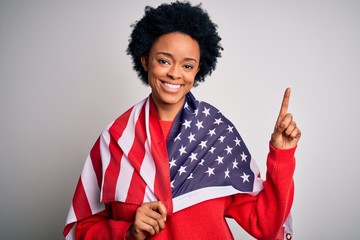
(64, 75)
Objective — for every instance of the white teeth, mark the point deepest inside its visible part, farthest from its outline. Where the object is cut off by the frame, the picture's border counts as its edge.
(172, 86)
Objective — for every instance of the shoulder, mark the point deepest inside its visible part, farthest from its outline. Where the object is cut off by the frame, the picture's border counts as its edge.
(126, 119)
(208, 110)
(201, 107)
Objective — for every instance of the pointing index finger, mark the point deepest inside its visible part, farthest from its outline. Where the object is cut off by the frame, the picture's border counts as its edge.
(284, 105)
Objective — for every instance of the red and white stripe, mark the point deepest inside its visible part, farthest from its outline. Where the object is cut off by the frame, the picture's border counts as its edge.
(120, 167)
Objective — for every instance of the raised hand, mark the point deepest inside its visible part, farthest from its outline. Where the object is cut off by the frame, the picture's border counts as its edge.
(149, 220)
(286, 134)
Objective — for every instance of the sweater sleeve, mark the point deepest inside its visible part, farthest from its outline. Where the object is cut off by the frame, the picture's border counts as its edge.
(263, 215)
(101, 226)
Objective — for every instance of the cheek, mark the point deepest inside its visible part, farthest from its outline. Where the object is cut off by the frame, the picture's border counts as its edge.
(157, 71)
(152, 75)
(190, 78)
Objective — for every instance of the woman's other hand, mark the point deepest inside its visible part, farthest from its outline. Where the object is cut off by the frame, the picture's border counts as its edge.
(286, 134)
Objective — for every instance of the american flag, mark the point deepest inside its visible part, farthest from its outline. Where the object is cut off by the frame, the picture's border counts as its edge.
(207, 156)
(203, 158)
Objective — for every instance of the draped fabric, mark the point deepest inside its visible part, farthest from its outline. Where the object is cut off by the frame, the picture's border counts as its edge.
(207, 156)
(203, 158)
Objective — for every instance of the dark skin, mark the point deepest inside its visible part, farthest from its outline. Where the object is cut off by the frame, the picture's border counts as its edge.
(286, 134)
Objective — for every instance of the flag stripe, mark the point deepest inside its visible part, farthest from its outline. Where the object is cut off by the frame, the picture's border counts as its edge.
(112, 155)
(124, 179)
(90, 183)
(136, 154)
(137, 187)
(128, 136)
(258, 182)
(202, 194)
(80, 202)
(112, 171)
(148, 169)
(117, 128)
(148, 173)
(137, 151)
(71, 215)
(69, 231)
(149, 195)
(105, 158)
(96, 161)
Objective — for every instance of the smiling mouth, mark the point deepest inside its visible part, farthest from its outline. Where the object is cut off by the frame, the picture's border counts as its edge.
(171, 86)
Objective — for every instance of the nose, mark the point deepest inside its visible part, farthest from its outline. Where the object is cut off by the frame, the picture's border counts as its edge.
(174, 72)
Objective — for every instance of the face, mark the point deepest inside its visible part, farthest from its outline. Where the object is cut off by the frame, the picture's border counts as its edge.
(172, 64)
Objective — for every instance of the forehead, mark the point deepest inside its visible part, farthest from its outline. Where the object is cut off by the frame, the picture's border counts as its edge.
(178, 44)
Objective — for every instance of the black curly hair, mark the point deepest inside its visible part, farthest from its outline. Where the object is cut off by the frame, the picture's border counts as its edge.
(175, 17)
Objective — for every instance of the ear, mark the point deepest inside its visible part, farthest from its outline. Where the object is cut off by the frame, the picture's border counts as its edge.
(198, 69)
(144, 62)
(196, 83)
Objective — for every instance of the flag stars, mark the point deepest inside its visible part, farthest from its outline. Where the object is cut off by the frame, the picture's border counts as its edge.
(193, 157)
(199, 124)
(230, 128)
(172, 163)
(206, 111)
(218, 121)
(182, 150)
(203, 144)
(186, 106)
(243, 156)
(235, 164)
(211, 132)
(245, 177)
(191, 137)
(227, 173)
(228, 150)
(182, 170)
(218, 155)
(187, 124)
(177, 137)
(210, 171)
(237, 141)
(219, 160)
(221, 139)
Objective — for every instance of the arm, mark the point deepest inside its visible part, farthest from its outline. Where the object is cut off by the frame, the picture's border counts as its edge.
(101, 226)
(263, 215)
(123, 221)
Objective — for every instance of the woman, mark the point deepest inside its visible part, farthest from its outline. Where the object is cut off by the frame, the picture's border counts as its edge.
(173, 167)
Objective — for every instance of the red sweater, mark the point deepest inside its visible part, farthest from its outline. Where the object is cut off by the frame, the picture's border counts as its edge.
(262, 215)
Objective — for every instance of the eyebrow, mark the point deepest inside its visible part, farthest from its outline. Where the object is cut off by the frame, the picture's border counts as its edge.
(170, 55)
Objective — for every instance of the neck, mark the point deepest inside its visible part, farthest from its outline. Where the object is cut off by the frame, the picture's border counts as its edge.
(167, 112)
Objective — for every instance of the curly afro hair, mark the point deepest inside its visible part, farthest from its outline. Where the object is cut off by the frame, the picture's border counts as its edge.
(175, 17)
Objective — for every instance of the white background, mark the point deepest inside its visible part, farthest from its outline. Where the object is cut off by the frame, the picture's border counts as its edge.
(64, 75)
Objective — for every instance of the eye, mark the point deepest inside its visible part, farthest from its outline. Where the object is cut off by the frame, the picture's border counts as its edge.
(163, 61)
(188, 66)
